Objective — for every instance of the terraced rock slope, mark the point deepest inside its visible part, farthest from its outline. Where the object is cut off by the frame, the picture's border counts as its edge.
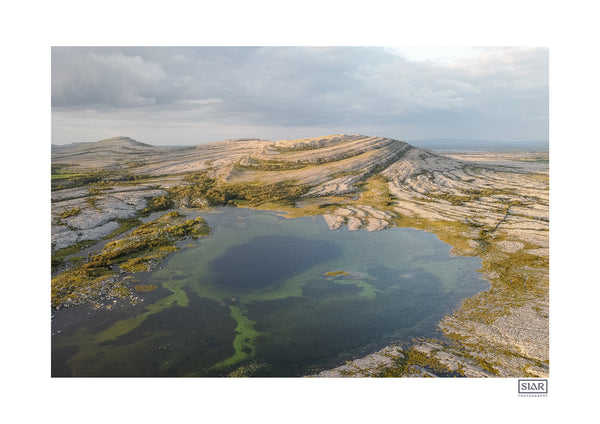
(498, 210)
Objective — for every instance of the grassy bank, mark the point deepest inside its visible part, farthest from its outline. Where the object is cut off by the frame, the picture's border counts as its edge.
(140, 250)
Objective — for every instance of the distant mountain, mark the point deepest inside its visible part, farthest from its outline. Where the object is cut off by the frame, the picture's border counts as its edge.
(122, 142)
(235, 158)
(115, 143)
(477, 145)
(115, 152)
(56, 147)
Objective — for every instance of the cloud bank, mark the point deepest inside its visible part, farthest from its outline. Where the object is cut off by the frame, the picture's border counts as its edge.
(190, 95)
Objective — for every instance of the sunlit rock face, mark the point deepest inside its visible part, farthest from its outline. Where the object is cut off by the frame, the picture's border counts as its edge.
(421, 183)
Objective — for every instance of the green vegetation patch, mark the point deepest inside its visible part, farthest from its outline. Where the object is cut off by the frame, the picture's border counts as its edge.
(95, 191)
(203, 189)
(314, 206)
(69, 213)
(354, 173)
(375, 192)
(145, 287)
(144, 247)
(84, 283)
(60, 255)
(92, 202)
(413, 361)
(469, 195)
(61, 171)
(257, 194)
(54, 177)
(80, 179)
(124, 226)
(250, 369)
(158, 204)
(336, 273)
(263, 165)
(61, 178)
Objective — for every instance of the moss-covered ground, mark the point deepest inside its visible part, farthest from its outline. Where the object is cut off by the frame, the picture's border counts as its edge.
(139, 251)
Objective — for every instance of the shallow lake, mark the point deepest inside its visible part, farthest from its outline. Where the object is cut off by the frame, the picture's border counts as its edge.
(264, 295)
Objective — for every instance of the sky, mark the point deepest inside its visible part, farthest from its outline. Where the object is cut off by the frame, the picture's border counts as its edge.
(193, 95)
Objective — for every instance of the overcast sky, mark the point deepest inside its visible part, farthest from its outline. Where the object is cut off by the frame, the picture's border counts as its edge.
(191, 95)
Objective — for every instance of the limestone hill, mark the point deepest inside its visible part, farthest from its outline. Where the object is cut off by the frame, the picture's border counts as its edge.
(492, 206)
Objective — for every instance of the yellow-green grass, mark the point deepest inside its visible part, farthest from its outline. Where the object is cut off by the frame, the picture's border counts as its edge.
(148, 243)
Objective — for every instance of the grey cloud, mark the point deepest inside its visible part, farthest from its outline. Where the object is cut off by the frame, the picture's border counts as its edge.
(338, 87)
(95, 79)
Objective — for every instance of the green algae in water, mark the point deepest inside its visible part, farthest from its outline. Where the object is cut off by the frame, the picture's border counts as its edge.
(243, 342)
(285, 293)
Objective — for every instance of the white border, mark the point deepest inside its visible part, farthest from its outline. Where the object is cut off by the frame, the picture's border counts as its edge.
(29, 29)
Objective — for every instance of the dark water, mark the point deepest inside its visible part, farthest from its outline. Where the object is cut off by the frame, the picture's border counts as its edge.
(266, 260)
(269, 296)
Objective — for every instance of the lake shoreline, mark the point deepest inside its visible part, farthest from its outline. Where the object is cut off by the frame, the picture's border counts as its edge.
(490, 205)
(354, 279)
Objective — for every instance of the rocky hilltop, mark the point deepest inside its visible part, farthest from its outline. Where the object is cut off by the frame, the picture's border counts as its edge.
(494, 208)
(336, 165)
